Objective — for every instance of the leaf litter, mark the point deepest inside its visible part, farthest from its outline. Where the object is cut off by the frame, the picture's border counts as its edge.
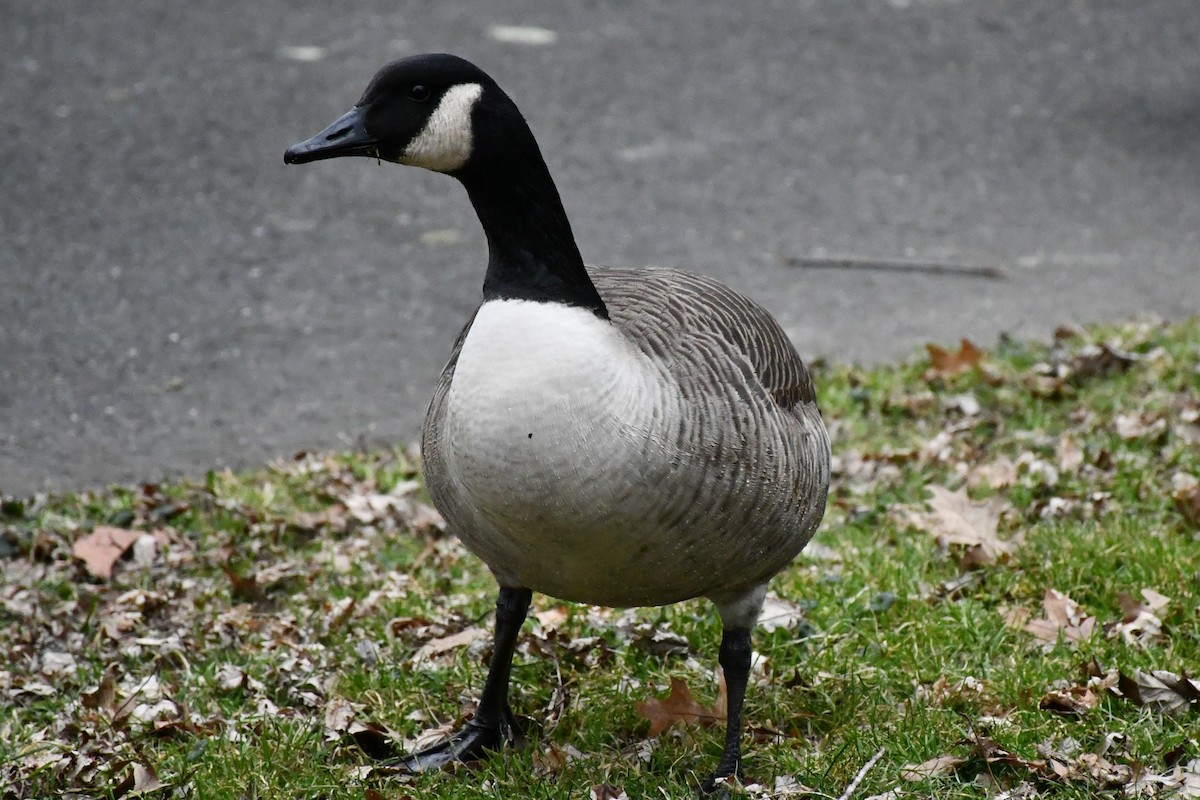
(176, 609)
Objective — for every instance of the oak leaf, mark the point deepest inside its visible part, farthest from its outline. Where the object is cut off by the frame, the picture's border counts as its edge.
(680, 706)
(1162, 690)
(1063, 617)
(965, 526)
(101, 549)
(1140, 622)
(945, 363)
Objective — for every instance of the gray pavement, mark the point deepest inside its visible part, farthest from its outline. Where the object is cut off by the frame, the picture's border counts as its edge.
(173, 298)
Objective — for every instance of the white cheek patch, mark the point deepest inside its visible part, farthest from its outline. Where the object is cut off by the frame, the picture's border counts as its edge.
(445, 143)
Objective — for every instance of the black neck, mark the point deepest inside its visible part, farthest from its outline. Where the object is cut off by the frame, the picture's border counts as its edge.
(532, 253)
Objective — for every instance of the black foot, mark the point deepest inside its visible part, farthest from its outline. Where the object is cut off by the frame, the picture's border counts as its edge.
(472, 742)
(720, 783)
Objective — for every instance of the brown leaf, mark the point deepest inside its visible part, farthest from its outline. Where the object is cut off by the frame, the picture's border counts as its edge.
(101, 548)
(242, 587)
(680, 706)
(1095, 360)
(998, 474)
(549, 760)
(104, 696)
(1140, 623)
(339, 713)
(778, 612)
(1139, 426)
(436, 647)
(333, 516)
(1062, 618)
(1073, 702)
(1183, 781)
(145, 780)
(1187, 500)
(965, 526)
(934, 767)
(1162, 690)
(944, 363)
(605, 791)
(990, 751)
(552, 618)
(1069, 453)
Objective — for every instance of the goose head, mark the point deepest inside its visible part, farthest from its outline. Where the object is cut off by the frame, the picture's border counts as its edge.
(419, 111)
(443, 113)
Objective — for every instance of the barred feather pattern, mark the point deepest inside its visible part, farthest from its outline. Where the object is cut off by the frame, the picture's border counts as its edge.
(691, 461)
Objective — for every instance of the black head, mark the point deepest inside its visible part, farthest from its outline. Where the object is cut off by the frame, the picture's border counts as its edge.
(417, 111)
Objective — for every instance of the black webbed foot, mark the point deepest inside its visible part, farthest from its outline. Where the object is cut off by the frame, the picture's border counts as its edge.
(474, 741)
(493, 726)
(716, 786)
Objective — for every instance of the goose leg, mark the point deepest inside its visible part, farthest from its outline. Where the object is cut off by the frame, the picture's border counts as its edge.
(735, 661)
(493, 724)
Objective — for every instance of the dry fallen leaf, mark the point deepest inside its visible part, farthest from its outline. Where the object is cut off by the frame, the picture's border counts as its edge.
(549, 760)
(339, 713)
(998, 474)
(779, 613)
(145, 780)
(790, 786)
(1073, 702)
(680, 706)
(606, 791)
(1062, 618)
(1161, 690)
(1139, 426)
(1182, 781)
(101, 549)
(934, 767)
(1140, 622)
(436, 647)
(104, 696)
(1094, 360)
(965, 526)
(1187, 497)
(944, 363)
(983, 747)
(242, 587)
(1069, 453)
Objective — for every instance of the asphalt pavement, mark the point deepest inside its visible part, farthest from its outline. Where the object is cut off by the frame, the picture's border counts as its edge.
(173, 298)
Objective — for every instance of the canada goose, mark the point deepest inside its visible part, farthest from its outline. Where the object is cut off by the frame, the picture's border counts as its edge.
(616, 437)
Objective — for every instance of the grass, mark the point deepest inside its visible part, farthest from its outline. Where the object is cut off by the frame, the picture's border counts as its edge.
(282, 615)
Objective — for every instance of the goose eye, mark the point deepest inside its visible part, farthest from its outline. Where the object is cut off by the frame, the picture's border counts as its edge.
(419, 92)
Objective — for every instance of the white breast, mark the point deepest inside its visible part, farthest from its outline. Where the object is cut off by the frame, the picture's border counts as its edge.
(546, 398)
(567, 457)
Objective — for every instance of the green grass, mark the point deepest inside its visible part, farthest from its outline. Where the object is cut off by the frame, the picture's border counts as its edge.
(896, 649)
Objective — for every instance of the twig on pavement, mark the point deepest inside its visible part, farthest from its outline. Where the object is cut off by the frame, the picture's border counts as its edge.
(896, 265)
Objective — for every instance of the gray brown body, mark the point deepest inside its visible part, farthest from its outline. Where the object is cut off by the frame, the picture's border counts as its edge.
(687, 460)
